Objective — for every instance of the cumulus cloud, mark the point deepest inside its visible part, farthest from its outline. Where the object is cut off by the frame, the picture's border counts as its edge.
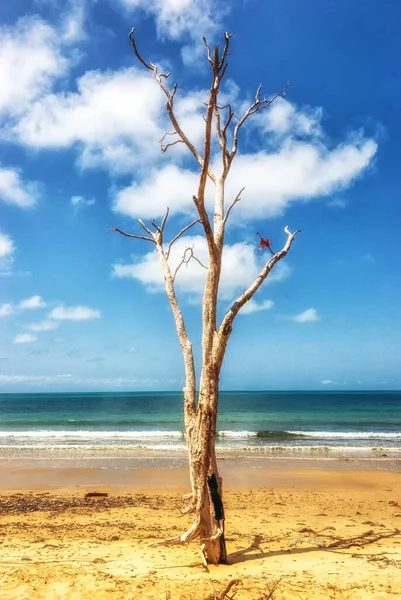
(183, 19)
(28, 68)
(113, 117)
(6, 246)
(14, 190)
(327, 382)
(73, 313)
(42, 326)
(298, 171)
(283, 117)
(6, 310)
(32, 302)
(308, 316)
(27, 304)
(252, 306)
(7, 249)
(239, 268)
(24, 338)
(149, 198)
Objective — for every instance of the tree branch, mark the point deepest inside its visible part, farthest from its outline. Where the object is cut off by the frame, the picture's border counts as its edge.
(179, 235)
(225, 53)
(186, 346)
(227, 322)
(165, 147)
(142, 224)
(164, 219)
(237, 199)
(131, 235)
(209, 55)
(255, 107)
(160, 77)
(185, 261)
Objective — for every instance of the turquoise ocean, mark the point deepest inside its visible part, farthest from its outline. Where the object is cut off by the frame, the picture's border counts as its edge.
(271, 424)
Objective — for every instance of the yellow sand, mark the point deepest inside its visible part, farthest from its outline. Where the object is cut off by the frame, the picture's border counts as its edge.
(319, 533)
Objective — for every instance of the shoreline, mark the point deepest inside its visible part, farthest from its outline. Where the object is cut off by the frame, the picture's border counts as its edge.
(129, 475)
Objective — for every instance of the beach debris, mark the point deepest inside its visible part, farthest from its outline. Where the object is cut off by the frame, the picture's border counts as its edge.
(271, 588)
(20, 503)
(96, 495)
(307, 540)
(223, 594)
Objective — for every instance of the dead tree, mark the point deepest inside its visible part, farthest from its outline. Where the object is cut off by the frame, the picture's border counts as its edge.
(222, 127)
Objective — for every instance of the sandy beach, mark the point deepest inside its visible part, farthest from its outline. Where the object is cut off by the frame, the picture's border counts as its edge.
(314, 530)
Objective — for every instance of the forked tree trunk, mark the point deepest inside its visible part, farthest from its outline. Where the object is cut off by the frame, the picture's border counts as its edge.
(207, 501)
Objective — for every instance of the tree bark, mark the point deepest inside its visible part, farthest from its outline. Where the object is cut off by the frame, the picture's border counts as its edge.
(205, 478)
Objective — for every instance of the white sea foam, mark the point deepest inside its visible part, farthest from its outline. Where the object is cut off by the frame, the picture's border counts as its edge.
(137, 435)
(352, 435)
(237, 434)
(228, 434)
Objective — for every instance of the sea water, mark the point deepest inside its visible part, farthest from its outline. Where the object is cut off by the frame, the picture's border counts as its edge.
(126, 424)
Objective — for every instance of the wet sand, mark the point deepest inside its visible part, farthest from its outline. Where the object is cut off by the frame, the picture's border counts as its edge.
(319, 530)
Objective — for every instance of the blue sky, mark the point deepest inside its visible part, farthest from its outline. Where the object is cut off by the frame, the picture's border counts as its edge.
(80, 122)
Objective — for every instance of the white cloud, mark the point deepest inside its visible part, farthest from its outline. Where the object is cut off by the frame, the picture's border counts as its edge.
(337, 203)
(24, 338)
(43, 326)
(74, 20)
(283, 117)
(74, 313)
(308, 316)
(252, 306)
(113, 117)
(70, 380)
(150, 198)
(241, 265)
(32, 303)
(30, 60)
(6, 246)
(327, 382)
(39, 379)
(298, 171)
(14, 190)
(78, 201)
(6, 310)
(177, 19)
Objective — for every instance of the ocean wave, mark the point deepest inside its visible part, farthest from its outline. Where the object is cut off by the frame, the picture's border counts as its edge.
(278, 434)
(91, 434)
(352, 435)
(230, 435)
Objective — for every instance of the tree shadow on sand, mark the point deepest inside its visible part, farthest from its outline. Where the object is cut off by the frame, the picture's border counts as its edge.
(316, 540)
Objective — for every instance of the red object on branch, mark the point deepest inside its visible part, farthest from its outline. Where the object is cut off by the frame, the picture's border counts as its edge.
(264, 243)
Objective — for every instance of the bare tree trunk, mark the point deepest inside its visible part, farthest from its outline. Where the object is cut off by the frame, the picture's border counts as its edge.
(207, 483)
